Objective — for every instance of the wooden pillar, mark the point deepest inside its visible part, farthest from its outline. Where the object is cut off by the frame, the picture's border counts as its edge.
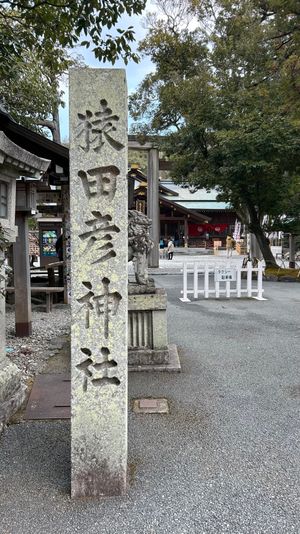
(130, 193)
(186, 232)
(66, 242)
(22, 278)
(153, 204)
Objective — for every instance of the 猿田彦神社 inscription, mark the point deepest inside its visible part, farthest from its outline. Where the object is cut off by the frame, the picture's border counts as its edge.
(98, 186)
(94, 128)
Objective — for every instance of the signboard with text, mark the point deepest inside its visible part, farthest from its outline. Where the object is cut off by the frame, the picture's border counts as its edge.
(225, 274)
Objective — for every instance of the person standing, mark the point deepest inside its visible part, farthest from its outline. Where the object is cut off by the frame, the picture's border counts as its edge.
(229, 245)
(170, 249)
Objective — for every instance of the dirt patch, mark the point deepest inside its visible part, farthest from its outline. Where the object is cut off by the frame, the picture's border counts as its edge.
(60, 362)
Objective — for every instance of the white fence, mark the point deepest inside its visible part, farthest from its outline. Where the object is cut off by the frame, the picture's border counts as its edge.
(226, 280)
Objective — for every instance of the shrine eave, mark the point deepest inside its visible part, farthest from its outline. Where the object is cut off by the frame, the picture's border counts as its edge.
(139, 176)
(186, 212)
(33, 142)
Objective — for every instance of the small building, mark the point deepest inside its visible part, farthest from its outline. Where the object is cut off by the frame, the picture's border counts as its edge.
(191, 218)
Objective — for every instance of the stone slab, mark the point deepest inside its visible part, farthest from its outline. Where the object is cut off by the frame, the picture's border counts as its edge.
(155, 301)
(150, 406)
(137, 289)
(148, 357)
(173, 365)
(50, 397)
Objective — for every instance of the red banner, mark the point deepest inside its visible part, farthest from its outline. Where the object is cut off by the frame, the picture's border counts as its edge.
(196, 230)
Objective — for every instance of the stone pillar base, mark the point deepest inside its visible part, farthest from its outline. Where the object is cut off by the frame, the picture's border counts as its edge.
(12, 390)
(148, 347)
(144, 360)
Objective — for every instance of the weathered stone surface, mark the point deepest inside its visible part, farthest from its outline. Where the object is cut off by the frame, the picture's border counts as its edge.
(147, 327)
(12, 403)
(147, 330)
(98, 186)
(173, 365)
(148, 357)
(11, 388)
(139, 244)
(139, 289)
(159, 406)
(155, 301)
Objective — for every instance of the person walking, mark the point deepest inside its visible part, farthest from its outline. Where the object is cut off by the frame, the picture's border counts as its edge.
(229, 245)
(170, 249)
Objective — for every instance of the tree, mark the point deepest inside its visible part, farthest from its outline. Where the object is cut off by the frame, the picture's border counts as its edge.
(235, 129)
(31, 93)
(44, 24)
(35, 35)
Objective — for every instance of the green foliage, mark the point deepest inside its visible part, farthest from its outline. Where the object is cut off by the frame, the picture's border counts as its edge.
(31, 92)
(227, 109)
(43, 25)
(35, 36)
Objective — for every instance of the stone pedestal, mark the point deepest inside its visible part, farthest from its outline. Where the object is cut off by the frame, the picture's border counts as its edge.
(148, 348)
(99, 294)
(12, 391)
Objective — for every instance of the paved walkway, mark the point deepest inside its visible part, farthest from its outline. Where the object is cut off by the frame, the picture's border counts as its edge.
(226, 459)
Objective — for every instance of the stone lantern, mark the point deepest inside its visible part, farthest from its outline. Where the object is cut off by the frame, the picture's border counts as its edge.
(14, 161)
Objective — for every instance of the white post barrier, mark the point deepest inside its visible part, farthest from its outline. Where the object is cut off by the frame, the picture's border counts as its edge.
(238, 281)
(259, 283)
(249, 279)
(195, 280)
(217, 288)
(185, 273)
(228, 289)
(199, 269)
(206, 281)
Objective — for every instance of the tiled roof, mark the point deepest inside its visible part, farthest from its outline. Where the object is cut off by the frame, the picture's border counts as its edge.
(198, 200)
(203, 205)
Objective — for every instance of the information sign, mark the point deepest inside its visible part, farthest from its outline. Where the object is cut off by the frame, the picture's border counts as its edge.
(225, 274)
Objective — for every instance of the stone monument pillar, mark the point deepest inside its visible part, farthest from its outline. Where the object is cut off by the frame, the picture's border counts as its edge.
(98, 194)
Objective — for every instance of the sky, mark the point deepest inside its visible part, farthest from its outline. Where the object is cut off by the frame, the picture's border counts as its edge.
(135, 72)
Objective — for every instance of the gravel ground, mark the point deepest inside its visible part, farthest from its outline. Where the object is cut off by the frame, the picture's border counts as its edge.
(48, 333)
(226, 458)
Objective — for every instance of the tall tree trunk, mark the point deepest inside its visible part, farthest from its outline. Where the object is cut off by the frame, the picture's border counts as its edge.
(292, 251)
(264, 246)
(53, 125)
(263, 242)
(56, 128)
